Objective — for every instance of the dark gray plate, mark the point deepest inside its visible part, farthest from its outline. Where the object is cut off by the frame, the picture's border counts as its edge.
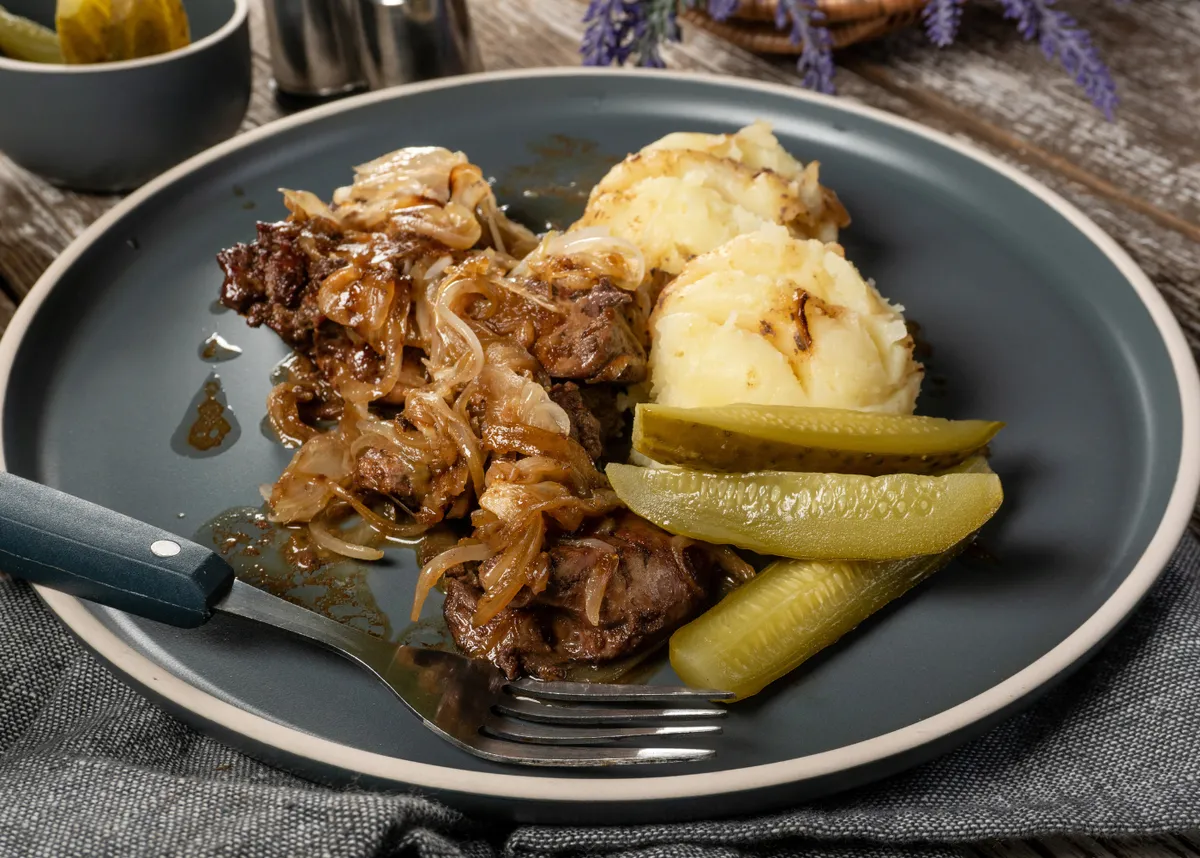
(1035, 318)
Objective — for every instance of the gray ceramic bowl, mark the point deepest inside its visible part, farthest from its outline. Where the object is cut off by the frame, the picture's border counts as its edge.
(111, 127)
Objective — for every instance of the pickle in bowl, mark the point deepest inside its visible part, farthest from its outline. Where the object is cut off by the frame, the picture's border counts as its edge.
(26, 40)
(788, 613)
(740, 438)
(813, 516)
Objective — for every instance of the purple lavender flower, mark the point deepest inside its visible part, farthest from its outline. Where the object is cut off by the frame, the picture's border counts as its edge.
(816, 57)
(941, 20)
(718, 10)
(607, 33)
(721, 10)
(1060, 36)
(657, 25)
(618, 30)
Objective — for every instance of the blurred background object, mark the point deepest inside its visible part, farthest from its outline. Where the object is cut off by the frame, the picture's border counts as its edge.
(109, 126)
(313, 47)
(401, 41)
(323, 48)
(634, 31)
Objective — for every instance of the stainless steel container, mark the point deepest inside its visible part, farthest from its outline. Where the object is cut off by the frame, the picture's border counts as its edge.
(314, 46)
(401, 41)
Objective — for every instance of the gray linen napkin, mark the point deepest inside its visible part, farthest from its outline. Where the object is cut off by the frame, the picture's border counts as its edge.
(89, 768)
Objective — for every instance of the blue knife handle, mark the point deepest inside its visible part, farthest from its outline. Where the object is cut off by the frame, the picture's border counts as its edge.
(66, 543)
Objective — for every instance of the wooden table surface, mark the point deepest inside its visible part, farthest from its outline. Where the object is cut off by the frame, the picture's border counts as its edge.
(1139, 177)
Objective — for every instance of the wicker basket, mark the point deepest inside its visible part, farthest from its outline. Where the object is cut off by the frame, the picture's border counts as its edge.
(753, 25)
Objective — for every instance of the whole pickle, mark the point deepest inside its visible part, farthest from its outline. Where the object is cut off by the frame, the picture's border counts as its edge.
(813, 516)
(740, 438)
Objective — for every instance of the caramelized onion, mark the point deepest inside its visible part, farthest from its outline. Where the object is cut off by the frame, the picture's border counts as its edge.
(400, 180)
(617, 258)
(378, 522)
(468, 367)
(358, 300)
(513, 398)
(433, 571)
(510, 574)
(597, 582)
(321, 535)
(307, 206)
(434, 272)
(360, 392)
(283, 412)
(451, 225)
(303, 490)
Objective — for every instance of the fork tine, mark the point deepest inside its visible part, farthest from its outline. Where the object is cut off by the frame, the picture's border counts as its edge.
(550, 713)
(594, 692)
(551, 734)
(560, 755)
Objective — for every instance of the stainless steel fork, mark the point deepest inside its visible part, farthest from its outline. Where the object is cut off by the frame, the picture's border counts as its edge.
(473, 705)
(70, 544)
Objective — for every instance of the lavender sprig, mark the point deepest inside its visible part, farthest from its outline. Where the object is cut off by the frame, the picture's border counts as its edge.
(619, 30)
(607, 33)
(721, 10)
(816, 54)
(1059, 35)
(941, 19)
(656, 26)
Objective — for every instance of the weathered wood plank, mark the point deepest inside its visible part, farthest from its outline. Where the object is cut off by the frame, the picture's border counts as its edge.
(1149, 157)
(7, 308)
(37, 221)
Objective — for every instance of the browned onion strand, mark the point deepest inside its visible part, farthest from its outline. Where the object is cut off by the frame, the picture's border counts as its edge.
(510, 574)
(319, 530)
(378, 522)
(436, 568)
(283, 411)
(597, 583)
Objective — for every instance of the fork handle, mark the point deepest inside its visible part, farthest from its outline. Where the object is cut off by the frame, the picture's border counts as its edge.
(66, 543)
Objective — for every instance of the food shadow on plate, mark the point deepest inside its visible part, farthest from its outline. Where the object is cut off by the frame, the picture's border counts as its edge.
(994, 560)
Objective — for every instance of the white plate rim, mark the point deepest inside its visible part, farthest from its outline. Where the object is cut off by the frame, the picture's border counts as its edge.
(143, 672)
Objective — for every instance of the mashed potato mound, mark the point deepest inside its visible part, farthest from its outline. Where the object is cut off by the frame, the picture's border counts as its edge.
(688, 194)
(775, 320)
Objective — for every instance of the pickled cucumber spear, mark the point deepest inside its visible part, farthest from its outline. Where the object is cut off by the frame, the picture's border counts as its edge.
(792, 610)
(788, 613)
(813, 516)
(740, 438)
(98, 31)
(22, 39)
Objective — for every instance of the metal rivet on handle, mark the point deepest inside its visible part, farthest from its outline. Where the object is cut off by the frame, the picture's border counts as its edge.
(165, 548)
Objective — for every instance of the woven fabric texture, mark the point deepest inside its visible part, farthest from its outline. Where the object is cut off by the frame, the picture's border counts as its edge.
(90, 768)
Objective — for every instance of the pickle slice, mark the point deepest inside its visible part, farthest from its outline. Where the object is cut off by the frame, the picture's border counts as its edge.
(144, 28)
(788, 613)
(28, 41)
(83, 30)
(740, 438)
(813, 516)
